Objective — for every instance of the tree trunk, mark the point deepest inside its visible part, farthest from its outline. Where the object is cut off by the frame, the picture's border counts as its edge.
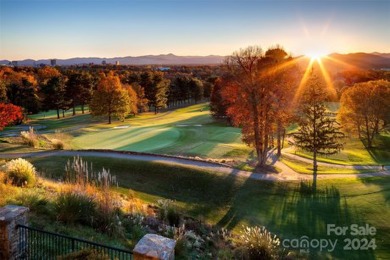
(284, 136)
(63, 113)
(82, 108)
(315, 167)
(368, 136)
(279, 136)
(109, 118)
(74, 109)
(258, 142)
(58, 113)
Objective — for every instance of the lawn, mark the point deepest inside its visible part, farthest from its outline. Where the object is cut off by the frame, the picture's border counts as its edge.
(284, 208)
(307, 168)
(354, 152)
(189, 131)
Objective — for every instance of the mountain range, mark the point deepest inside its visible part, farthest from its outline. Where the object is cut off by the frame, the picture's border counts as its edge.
(163, 59)
(337, 61)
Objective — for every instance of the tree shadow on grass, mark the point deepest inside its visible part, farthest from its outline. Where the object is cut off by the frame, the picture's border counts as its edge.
(378, 195)
(290, 211)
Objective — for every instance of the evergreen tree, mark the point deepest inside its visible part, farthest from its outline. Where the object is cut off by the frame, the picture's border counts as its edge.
(55, 94)
(317, 133)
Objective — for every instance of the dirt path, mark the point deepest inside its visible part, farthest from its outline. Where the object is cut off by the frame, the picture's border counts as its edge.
(286, 174)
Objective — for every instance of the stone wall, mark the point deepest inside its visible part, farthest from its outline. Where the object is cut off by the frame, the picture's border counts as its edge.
(10, 217)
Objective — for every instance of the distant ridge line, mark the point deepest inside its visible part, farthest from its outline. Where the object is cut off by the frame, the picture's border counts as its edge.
(162, 59)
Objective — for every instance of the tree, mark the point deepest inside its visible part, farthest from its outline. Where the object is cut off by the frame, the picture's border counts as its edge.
(9, 114)
(21, 89)
(79, 89)
(133, 99)
(110, 99)
(218, 105)
(252, 87)
(156, 89)
(317, 133)
(365, 109)
(142, 101)
(54, 91)
(3, 91)
(196, 89)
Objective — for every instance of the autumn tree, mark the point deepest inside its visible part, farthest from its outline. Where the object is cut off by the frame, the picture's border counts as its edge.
(110, 98)
(252, 88)
(283, 77)
(3, 91)
(133, 99)
(142, 101)
(9, 114)
(21, 89)
(365, 109)
(317, 132)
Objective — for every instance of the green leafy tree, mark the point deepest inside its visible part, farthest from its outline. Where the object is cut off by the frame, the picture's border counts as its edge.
(156, 89)
(110, 98)
(79, 89)
(54, 91)
(218, 105)
(196, 89)
(317, 133)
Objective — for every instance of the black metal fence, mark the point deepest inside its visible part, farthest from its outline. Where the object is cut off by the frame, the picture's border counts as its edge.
(39, 244)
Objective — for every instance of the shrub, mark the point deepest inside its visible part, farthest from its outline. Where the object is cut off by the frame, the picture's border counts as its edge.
(259, 243)
(168, 212)
(75, 207)
(107, 206)
(6, 190)
(85, 254)
(57, 144)
(35, 199)
(30, 137)
(80, 172)
(20, 172)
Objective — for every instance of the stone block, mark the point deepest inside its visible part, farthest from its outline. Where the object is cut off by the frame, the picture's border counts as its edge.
(153, 246)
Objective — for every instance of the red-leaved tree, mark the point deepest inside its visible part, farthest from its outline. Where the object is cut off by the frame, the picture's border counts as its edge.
(9, 114)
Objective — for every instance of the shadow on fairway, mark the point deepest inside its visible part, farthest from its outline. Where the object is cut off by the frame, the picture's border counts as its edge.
(290, 211)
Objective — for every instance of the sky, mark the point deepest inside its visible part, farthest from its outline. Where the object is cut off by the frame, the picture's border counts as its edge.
(41, 29)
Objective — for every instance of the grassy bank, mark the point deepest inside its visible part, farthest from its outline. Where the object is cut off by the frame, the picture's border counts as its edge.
(284, 208)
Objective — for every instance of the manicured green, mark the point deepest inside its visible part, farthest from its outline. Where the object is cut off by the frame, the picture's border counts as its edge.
(188, 131)
(284, 208)
(307, 168)
(354, 152)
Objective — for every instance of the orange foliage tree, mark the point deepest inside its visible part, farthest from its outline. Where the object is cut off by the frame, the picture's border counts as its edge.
(9, 114)
(258, 92)
(110, 98)
(365, 109)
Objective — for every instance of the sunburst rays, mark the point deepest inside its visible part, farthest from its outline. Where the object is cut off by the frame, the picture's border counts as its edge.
(324, 73)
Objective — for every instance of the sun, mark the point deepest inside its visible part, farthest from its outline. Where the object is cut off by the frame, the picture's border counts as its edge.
(316, 55)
